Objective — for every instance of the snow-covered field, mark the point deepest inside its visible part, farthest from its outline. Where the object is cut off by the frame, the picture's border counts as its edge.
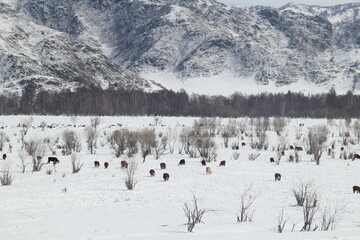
(97, 205)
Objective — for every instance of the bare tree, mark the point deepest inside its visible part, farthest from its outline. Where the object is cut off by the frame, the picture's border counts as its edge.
(50, 143)
(73, 119)
(226, 135)
(95, 122)
(317, 137)
(246, 201)
(75, 163)
(194, 215)
(147, 140)
(129, 180)
(160, 146)
(117, 141)
(301, 191)
(91, 136)
(207, 149)
(356, 129)
(253, 156)
(36, 149)
(3, 139)
(132, 143)
(310, 207)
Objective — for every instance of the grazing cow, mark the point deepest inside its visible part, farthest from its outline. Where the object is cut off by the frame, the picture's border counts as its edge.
(356, 156)
(243, 144)
(96, 164)
(203, 162)
(222, 163)
(356, 189)
(124, 164)
(162, 165)
(152, 172)
(106, 164)
(298, 148)
(272, 160)
(291, 147)
(182, 162)
(283, 153)
(4, 156)
(208, 170)
(54, 160)
(237, 148)
(166, 177)
(342, 148)
(277, 176)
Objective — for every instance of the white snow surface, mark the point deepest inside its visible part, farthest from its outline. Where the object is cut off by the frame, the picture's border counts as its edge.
(97, 205)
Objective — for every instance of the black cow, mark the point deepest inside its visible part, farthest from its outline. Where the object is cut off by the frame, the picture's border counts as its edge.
(277, 176)
(54, 160)
(203, 162)
(4, 156)
(272, 160)
(182, 162)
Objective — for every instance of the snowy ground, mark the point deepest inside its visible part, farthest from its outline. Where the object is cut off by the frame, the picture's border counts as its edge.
(97, 205)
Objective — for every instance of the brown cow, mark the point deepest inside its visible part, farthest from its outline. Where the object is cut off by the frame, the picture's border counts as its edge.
(356, 156)
(97, 164)
(152, 172)
(182, 162)
(342, 148)
(166, 177)
(203, 163)
(208, 170)
(54, 160)
(106, 164)
(162, 165)
(222, 163)
(4, 156)
(124, 164)
(356, 189)
(277, 176)
(243, 144)
(272, 160)
(291, 147)
(298, 148)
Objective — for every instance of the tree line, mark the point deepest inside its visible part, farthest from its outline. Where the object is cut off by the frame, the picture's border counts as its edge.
(96, 101)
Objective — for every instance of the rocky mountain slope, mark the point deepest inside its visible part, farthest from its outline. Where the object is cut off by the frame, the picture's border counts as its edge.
(37, 56)
(204, 38)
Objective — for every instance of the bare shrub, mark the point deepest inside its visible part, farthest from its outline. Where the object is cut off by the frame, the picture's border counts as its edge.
(281, 222)
(246, 201)
(188, 139)
(49, 171)
(235, 155)
(129, 180)
(317, 137)
(279, 124)
(50, 143)
(355, 127)
(194, 215)
(147, 140)
(310, 208)
(301, 192)
(253, 156)
(172, 136)
(160, 146)
(23, 165)
(330, 217)
(3, 139)
(117, 141)
(207, 148)
(75, 163)
(6, 178)
(36, 149)
(131, 143)
(225, 135)
(91, 136)
(71, 142)
(95, 122)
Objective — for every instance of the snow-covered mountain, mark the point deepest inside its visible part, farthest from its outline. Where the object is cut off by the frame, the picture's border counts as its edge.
(38, 56)
(191, 39)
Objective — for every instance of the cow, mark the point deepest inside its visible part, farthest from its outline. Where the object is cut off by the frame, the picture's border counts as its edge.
(291, 147)
(342, 148)
(166, 177)
(96, 164)
(182, 162)
(124, 164)
(277, 176)
(203, 162)
(356, 189)
(356, 156)
(298, 148)
(222, 163)
(282, 153)
(208, 170)
(106, 164)
(4, 156)
(237, 147)
(291, 158)
(272, 160)
(162, 165)
(54, 160)
(243, 144)
(152, 172)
